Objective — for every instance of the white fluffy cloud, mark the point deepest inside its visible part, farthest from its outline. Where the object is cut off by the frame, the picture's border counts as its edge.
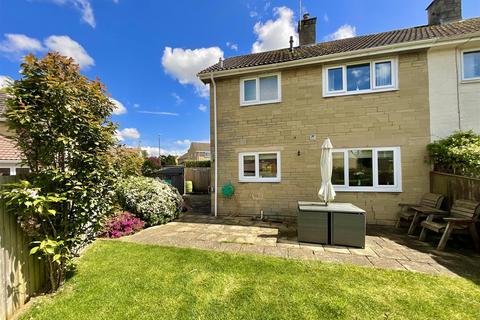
(178, 99)
(153, 151)
(19, 43)
(184, 64)
(127, 134)
(119, 107)
(275, 34)
(85, 8)
(184, 142)
(160, 113)
(70, 48)
(4, 80)
(232, 46)
(345, 31)
(202, 107)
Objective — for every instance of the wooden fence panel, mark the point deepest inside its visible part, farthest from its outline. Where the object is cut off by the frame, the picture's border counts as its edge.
(454, 187)
(21, 275)
(200, 178)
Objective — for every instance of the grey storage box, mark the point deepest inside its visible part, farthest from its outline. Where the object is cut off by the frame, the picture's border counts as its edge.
(312, 226)
(336, 224)
(348, 229)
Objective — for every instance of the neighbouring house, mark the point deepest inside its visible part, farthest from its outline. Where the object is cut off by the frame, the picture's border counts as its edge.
(10, 155)
(381, 99)
(198, 151)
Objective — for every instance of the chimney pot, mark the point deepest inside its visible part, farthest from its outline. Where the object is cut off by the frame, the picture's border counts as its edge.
(291, 43)
(306, 16)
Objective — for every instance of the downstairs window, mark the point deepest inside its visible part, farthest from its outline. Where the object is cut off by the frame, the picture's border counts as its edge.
(259, 167)
(367, 169)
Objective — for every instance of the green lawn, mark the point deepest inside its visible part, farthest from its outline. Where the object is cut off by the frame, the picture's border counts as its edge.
(118, 280)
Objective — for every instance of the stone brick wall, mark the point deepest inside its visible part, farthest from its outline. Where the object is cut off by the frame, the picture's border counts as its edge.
(389, 119)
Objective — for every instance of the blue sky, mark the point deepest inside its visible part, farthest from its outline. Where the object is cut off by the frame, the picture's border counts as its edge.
(147, 52)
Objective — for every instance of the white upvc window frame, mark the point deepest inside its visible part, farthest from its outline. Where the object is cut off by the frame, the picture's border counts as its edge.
(462, 76)
(257, 100)
(12, 166)
(257, 178)
(397, 187)
(373, 86)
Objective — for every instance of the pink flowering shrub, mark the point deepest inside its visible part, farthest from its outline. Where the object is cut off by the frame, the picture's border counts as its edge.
(121, 224)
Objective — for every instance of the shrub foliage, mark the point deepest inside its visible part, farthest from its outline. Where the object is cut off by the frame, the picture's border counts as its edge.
(152, 200)
(121, 224)
(62, 126)
(457, 154)
(197, 163)
(126, 161)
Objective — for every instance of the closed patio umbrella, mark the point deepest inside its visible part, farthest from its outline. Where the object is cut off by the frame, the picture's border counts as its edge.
(326, 192)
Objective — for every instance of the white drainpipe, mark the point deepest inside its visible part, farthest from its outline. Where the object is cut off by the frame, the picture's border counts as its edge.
(215, 142)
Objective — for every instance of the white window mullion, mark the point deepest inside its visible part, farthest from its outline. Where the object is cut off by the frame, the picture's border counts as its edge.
(398, 168)
(372, 75)
(346, 169)
(257, 166)
(375, 167)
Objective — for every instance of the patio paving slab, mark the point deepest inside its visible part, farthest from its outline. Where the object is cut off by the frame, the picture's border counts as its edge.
(386, 263)
(301, 253)
(336, 249)
(386, 247)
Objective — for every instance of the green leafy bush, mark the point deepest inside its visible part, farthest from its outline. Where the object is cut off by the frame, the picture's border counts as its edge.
(151, 200)
(457, 154)
(62, 126)
(126, 161)
(197, 163)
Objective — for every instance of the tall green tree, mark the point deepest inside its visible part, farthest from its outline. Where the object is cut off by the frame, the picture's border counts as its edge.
(63, 128)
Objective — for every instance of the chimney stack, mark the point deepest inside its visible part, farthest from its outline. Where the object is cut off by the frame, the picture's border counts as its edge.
(444, 11)
(306, 30)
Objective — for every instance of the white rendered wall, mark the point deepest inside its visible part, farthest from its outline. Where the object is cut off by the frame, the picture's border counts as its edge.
(454, 104)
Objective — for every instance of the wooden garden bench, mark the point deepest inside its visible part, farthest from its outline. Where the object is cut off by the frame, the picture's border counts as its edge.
(462, 218)
(430, 203)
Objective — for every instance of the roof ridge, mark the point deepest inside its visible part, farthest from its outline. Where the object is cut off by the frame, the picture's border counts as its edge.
(379, 39)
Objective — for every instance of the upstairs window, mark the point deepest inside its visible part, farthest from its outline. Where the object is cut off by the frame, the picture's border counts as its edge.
(360, 78)
(259, 90)
(259, 167)
(383, 74)
(367, 169)
(471, 65)
(335, 79)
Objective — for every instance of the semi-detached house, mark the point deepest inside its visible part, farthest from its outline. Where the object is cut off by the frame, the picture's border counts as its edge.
(381, 99)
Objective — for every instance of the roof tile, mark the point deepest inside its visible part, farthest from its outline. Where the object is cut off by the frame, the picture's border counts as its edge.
(8, 149)
(377, 40)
